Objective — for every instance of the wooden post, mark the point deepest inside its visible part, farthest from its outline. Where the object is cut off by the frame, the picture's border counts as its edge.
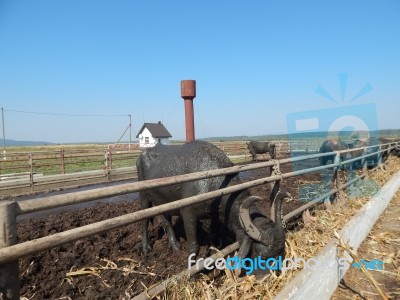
(110, 157)
(31, 171)
(107, 163)
(62, 162)
(105, 160)
(364, 164)
(9, 272)
(380, 156)
(335, 181)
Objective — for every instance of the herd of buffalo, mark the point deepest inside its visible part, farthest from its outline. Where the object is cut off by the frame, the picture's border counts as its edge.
(238, 214)
(361, 147)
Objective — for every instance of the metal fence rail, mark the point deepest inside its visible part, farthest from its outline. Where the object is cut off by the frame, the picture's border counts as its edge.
(9, 210)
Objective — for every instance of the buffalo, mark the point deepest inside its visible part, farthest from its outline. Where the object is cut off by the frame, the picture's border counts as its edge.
(238, 213)
(396, 150)
(373, 146)
(359, 150)
(360, 143)
(391, 142)
(261, 148)
(332, 145)
(374, 143)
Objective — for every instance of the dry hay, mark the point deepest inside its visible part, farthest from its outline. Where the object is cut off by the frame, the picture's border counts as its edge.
(304, 243)
(123, 265)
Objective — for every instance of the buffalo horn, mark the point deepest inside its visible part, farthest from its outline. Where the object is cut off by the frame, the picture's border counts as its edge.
(245, 220)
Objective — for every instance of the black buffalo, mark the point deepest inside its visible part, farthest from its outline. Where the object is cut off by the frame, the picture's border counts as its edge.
(374, 144)
(332, 145)
(261, 148)
(386, 144)
(360, 145)
(237, 213)
(360, 149)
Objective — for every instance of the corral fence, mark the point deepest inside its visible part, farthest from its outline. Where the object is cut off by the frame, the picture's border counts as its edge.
(44, 170)
(23, 172)
(11, 252)
(238, 149)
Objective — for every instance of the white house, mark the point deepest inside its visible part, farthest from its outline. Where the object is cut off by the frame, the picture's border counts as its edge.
(153, 133)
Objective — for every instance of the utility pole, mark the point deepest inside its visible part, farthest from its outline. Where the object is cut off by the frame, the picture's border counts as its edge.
(4, 134)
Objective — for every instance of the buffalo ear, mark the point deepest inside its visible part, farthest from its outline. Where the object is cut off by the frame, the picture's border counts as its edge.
(245, 220)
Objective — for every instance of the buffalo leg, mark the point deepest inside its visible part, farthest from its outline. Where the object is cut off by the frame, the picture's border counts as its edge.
(145, 239)
(172, 241)
(146, 247)
(254, 155)
(190, 224)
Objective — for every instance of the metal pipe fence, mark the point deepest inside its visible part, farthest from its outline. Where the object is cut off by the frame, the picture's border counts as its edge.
(11, 252)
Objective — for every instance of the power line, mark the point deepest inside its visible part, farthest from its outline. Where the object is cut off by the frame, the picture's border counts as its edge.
(69, 115)
(58, 114)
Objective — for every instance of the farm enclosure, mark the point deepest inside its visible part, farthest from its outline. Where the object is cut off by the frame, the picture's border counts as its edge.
(291, 184)
(54, 167)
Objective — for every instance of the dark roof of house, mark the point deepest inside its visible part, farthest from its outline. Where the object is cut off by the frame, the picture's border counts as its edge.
(157, 130)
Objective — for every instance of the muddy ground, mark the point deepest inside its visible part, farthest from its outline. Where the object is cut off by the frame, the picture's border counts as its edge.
(110, 265)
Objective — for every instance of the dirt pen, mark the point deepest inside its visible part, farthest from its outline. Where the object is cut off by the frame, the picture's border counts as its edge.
(120, 271)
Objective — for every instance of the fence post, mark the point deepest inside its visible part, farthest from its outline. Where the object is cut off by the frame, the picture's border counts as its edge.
(335, 174)
(380, 155)
(105, 160)
(110, 158)
(275, 186)
(31, 171)
(379, 162)
(107, 163)
(9, 272)
(62, 162)
(364, 164)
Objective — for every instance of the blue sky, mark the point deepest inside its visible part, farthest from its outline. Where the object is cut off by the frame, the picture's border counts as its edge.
(254, 63)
